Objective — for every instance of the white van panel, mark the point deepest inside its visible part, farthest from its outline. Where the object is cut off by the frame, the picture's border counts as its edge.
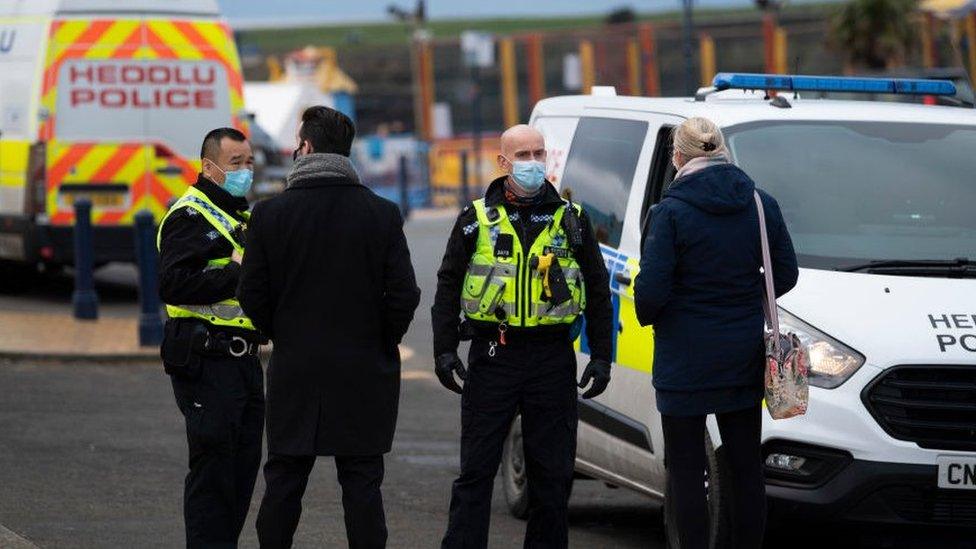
(22, 42)
(110, 7)
(891, 320)
(558, 133)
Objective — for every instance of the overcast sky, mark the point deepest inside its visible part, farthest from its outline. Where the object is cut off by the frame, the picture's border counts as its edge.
(248, 12)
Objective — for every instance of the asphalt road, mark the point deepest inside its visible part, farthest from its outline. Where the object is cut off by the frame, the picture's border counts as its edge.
(94, 455)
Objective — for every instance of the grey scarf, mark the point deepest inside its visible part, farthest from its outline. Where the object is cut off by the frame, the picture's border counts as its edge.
(322, 165)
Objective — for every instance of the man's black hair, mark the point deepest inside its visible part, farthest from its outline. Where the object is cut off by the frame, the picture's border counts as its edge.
(211, 143)
(327, 130)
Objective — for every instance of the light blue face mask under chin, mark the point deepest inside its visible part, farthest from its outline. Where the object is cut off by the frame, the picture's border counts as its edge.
(238, 182)
(529, 174)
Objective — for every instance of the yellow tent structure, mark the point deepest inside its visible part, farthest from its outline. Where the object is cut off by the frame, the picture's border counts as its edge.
(960, 15)
(948, 8)
(320, 66)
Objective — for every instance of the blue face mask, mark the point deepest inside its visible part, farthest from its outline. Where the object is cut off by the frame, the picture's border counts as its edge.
(237, 182)
(529, 174)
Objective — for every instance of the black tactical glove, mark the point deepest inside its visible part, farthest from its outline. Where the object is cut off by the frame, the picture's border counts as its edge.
(445, 366)
(599, 372)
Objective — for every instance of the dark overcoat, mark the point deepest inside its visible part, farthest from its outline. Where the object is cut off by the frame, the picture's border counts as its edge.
(701, 287)
(327, 276)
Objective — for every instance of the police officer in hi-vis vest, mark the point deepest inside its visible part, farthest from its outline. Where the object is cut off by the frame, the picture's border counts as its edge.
(210, 348)
(523, 268)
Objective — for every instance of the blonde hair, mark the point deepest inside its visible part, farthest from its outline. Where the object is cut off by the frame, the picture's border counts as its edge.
(698, 136)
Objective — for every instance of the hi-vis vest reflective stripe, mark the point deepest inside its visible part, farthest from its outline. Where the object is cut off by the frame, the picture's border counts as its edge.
(227, 312)
(509, 289)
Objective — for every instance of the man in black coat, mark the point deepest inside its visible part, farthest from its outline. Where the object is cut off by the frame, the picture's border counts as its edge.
(327, 276)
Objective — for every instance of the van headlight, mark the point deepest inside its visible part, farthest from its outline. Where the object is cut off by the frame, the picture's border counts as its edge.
(831, 362)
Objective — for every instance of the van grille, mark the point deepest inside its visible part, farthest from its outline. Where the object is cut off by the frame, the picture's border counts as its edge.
(930, 505)
(934, 406)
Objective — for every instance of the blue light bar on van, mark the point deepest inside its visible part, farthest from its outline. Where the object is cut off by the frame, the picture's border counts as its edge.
(782, 82)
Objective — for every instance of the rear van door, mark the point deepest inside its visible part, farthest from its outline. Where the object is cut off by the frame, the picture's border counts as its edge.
(129, 101)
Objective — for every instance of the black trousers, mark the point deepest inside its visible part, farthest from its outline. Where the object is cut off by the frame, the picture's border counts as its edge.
(538, 379)
(224, 412)
(684, 449)
(362, 502)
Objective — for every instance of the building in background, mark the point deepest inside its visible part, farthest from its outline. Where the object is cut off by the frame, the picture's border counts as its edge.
(311, 76)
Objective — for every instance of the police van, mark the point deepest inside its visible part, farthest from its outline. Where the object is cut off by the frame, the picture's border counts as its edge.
(880, 200)
(108, 101)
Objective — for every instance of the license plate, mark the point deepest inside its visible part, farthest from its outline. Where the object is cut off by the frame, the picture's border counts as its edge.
(98, 200)
(957, 472)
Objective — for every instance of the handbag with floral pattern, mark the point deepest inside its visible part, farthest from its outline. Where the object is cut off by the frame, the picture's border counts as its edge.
(787, 363)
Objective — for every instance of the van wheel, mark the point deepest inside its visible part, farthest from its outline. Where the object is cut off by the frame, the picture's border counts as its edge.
(717, 494)
(15, 277)
(514, 478)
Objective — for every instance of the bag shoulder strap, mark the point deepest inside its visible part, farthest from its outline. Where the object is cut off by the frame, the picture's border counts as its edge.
(769, 304)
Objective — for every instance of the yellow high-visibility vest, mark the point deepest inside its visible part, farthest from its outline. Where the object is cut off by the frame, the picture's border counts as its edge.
(513, 288)
(227, 312)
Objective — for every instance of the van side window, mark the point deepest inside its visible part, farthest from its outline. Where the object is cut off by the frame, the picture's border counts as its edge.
(661, 174)
(600, 169)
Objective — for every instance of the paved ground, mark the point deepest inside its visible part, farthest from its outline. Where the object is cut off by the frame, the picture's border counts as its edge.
(93, 455)
(39, 323)
(53, 335)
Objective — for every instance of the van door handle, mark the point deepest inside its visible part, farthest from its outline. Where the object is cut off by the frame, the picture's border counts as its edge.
(623, 278)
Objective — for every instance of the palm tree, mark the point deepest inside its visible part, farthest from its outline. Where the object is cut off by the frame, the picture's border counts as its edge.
(874, 34)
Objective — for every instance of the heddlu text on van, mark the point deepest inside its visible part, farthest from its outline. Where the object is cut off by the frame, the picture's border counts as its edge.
(140, 85)
(954, 322)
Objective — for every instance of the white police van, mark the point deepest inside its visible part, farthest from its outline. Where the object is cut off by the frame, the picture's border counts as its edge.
(880, 200)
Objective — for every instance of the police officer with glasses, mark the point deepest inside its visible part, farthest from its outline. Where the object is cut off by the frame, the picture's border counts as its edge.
(210, 347)
(523, 268)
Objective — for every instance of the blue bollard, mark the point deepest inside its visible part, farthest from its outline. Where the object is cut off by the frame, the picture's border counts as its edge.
(150, 323)
(464, 198)
(404, 188)
(84, 299)
(423, 156)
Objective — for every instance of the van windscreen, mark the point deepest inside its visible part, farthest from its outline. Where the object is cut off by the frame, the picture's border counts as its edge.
(172, 102)
(857, 192)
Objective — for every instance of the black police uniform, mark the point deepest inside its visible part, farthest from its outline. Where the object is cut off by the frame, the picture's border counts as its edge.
(220, 395)
(533, 374)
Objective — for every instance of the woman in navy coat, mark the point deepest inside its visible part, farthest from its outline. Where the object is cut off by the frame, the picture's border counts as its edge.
(701, 287)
